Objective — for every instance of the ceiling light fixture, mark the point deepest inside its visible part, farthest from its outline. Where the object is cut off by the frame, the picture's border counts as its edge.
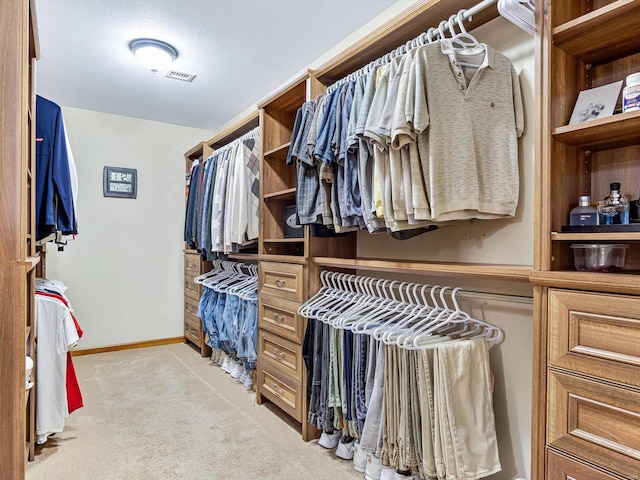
(153, 54)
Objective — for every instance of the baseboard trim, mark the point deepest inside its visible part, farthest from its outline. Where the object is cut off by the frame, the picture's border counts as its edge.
(126, 346)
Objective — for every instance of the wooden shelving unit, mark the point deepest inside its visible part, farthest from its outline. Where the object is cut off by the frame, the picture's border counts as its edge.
(282, 256)
(194, 264)
(584, 44)
(18, 257)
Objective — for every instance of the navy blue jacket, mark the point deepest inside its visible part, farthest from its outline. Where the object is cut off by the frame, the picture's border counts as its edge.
(54, 199)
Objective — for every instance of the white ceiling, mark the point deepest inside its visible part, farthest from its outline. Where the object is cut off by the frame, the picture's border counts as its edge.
(239, 49)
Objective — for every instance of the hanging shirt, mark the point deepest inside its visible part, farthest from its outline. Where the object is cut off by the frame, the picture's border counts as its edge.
(252, 165)
(473, 130)
(374, 223)
(220, 201)
(73, 176)
(309, 209)
(55, 334)
(191, 204)
(74, 395)
(54, 191)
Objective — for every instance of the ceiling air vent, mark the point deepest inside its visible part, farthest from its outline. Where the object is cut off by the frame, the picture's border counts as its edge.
(185, 77)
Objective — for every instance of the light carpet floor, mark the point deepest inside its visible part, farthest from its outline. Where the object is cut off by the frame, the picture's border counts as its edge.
(165, 413)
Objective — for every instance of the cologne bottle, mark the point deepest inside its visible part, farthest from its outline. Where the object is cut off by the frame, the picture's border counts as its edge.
(614, 210)
(584, 213)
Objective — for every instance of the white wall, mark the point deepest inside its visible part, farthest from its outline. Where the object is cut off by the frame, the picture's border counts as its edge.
(124, 272)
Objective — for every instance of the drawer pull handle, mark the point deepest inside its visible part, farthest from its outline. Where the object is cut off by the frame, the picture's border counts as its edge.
(191, 330)
(191, 287)
(192, 265)
(191, 309)
(280, 283)
(278, 391)
(279, 353)
(278, 318)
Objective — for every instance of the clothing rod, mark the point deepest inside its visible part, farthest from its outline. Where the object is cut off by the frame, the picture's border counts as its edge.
(502, 297)
(459, 292)
(467, 14)
(250, 134)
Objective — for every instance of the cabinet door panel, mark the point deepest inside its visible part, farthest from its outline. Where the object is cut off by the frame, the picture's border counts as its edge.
(192, 264)
(280, 317)
(282, 280)
(595, 421)
(564, 468)
(285, 355)
(282, 390)
(595, 334)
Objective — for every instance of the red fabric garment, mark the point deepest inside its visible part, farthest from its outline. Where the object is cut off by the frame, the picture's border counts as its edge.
(74, 395)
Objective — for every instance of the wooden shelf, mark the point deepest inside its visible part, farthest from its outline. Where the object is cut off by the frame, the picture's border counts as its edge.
(248, 257)
(587, 237)
(605, 34)
(278, 153)
(615, 131)
(234, 130)
(283, 240)
(288, 194)
(195, 152)
(626, 282)
(32, 261)
(282, 258)
(518, 273)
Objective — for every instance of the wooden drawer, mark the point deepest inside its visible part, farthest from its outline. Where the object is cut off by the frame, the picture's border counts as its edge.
(283, 391)
(280, 317)
(191, 288)
(191, 306)
(596, 421)
(192, 264)
(595, 334)
(560, 467)
(283, 354)
(193, 329)
(282, 280)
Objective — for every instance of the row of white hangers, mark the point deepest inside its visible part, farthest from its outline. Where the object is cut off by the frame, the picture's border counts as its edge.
(255, 133)
(407, 319)
(229, 277)
(520, 13)
(463, 42)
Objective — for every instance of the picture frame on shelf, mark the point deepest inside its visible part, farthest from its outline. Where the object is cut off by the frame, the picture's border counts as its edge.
(596, 102)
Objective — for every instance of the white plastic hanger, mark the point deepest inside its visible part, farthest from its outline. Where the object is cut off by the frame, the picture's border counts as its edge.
(391, 334)
(463, 43)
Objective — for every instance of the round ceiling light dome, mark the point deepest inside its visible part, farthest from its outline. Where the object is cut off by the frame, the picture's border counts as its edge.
(153, 54)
